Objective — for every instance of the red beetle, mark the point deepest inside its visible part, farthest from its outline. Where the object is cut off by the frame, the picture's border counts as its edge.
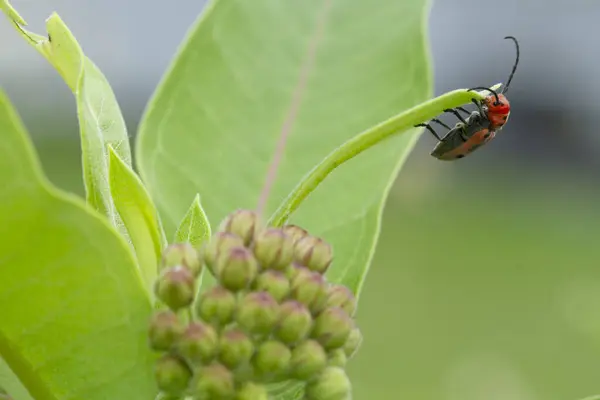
(480, 126)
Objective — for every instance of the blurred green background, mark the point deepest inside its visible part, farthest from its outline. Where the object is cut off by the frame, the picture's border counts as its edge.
(486, 281)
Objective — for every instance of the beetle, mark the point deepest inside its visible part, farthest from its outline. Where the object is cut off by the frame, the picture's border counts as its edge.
(480, 126)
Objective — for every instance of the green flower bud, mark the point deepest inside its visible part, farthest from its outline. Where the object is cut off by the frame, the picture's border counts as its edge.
(295, 269)
(272, 358)
(199, 343)
(182, 254)
(274, 249)
(252, 391)
(216, 306)
(257, 313)
(295, 322)
(331, 384)
(273, 282)
(220, 242)
(235, 348)
(4, 395)
(242, 223)
(172, 375)
(176, 287)
(165, 329)
(295, 232)
(353, 342)
(308, 359)
(313, 252)
(213, 381)
(237, 268)
(332, 327)
(311, 290)
(337, 358)
(341, 296)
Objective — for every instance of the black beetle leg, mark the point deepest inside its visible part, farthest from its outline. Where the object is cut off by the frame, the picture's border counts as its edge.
(452, 111)
(437, 121)
(430, 129)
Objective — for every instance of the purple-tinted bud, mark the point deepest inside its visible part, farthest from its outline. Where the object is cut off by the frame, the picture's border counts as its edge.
(216, 306)
(182, 254)
(176, 287)
(332, 327)
(272, 358)
(237, 268)
(274, 249)
(313, 252)
(213, 381)
(308, 359)
(337, 358)
(257, 313)
(252, 391)
(220, 243)
(165, 329)
(172, 375)
(341, 296)
(199, 343)
(295, 322)
(331, 384)
(310, 289)
(295, 232)
(353, 342)
(273, 282)
(235, 348)
(242, 223)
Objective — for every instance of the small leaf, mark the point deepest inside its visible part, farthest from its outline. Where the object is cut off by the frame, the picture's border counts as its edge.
(194, 228)
(73, 306)
(139, 216)
(100, 120)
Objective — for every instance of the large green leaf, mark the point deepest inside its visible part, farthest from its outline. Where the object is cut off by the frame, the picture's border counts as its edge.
(263, 90)
(72, 302)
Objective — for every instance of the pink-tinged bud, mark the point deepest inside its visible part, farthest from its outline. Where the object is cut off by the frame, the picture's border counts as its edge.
(337, 358)
(295, 232)
(273, 282)
(213, 381)
(274, 249)
(313, 252)
(308, 359)
(311, 290)
(235, 348)
(237, 268)
(182, 254)
(243, 223)
(331, 384)
(220, 243)
(272, 358)
(172, 375)
(295, 269)
(257, 313)
(176, 287)
(165, 330)
(332, 328)
(252, 391)
(216, 306)
(199, 343)
(341, 296)
(295, 322)
(353, 342)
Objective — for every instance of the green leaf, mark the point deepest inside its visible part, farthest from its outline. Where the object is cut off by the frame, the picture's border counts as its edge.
(73, 306)
(243, 114)
(139, 216)
(194, 228)
(100, 120)
(11, 384)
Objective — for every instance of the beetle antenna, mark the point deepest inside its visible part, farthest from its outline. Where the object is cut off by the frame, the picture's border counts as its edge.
(512, 73)
(489, 90)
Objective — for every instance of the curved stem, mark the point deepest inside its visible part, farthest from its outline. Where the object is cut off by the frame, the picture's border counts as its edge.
(367, 139)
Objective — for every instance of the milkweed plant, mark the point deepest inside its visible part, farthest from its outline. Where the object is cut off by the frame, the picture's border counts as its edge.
(228, 263)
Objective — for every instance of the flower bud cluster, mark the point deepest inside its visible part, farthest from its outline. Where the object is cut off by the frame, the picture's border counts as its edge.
(271, 317)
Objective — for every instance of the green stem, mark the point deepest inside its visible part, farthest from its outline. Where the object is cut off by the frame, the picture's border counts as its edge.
(367, 139)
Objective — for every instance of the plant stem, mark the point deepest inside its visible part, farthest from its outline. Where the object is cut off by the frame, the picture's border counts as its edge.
(367, 139)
